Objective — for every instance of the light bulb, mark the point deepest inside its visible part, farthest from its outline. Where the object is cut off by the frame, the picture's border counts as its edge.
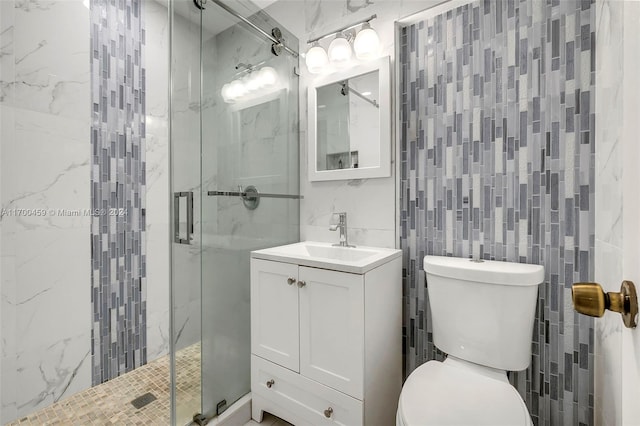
(226, 93)
(236, 90)
(252, 82)
(367, 43)
(316, 59)
(268, 77)
(340, 51)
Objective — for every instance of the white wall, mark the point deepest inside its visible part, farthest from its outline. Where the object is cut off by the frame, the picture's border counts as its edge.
(369, 203)
(630, 365)
(617, 360)
(157, 178)
(45, 163)
(608, 205)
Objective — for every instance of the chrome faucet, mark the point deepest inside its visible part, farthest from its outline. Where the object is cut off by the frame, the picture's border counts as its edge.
(339, 221)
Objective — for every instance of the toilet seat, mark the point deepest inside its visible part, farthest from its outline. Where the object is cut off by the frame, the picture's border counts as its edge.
(439, 394)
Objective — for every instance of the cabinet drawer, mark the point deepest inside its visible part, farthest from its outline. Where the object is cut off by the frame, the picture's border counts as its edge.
(304, 399)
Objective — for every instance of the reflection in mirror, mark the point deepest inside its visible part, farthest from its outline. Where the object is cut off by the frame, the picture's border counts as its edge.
(348, 123)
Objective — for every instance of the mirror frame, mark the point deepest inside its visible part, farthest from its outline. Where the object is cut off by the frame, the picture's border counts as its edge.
(384, 86)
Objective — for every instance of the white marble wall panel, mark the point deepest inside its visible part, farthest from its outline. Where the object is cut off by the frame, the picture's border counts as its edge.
(48, 260)
(8, 382)
(249, 145)
(608, 207)
(371, 204)
(631, 246)
(185, 163)
(157, 179)
(44, 163)
(8, 338)
(44, 81)
(7, 59)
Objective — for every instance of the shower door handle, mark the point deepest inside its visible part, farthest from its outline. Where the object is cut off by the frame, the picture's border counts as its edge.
(188, 196)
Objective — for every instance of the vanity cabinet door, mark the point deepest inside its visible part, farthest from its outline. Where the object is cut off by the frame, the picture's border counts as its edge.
(332, 329)
(274, 312)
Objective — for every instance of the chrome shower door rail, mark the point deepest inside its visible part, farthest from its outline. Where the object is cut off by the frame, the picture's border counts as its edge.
(250, 194)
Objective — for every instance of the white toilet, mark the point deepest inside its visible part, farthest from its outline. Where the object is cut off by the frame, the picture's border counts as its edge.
(482, 315)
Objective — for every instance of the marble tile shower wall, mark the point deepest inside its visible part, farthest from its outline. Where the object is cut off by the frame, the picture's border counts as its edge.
(497, 162)
(44, 164)
(118, 295)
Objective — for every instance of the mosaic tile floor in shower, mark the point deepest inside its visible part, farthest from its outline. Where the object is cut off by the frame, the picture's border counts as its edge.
(110, 402)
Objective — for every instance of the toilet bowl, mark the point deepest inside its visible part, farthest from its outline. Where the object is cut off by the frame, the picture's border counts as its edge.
(442, 393)
(482, 317)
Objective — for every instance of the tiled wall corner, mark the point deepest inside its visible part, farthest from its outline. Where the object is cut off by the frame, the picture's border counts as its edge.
(118, 188)
(497, 162)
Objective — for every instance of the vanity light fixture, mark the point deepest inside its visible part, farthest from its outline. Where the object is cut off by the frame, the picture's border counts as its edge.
(255, 83)
(366, 46)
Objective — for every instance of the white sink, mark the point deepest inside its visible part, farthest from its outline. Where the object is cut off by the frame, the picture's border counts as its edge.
(356, 260)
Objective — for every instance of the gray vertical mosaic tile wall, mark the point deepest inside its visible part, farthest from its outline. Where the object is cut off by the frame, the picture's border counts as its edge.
(497, 162)
(118, 287)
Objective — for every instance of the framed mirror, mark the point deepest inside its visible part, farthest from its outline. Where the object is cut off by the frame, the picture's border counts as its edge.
(350, 123)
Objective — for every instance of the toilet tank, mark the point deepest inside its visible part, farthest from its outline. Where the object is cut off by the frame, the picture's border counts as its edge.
(483, 311)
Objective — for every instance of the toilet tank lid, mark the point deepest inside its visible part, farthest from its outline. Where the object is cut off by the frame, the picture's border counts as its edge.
(485, 271)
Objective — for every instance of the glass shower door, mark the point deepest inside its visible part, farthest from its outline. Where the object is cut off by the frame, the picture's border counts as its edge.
(223, 151)
(248, 144)
(185, 180)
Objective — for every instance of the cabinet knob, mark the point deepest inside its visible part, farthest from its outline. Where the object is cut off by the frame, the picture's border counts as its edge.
(328, 412)
(291, 280)
(271, 383)
(301, 284)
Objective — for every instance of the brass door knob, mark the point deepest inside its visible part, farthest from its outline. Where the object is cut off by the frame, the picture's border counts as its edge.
(590, 299)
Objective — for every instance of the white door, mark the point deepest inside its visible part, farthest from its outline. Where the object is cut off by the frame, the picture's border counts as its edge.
(274, 312)
(332, 329)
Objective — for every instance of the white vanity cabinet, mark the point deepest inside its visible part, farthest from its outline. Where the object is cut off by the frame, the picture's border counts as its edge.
(326, 344)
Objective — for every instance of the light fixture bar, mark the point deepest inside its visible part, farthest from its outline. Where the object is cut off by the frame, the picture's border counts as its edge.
(348, 27)
(248, 68)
